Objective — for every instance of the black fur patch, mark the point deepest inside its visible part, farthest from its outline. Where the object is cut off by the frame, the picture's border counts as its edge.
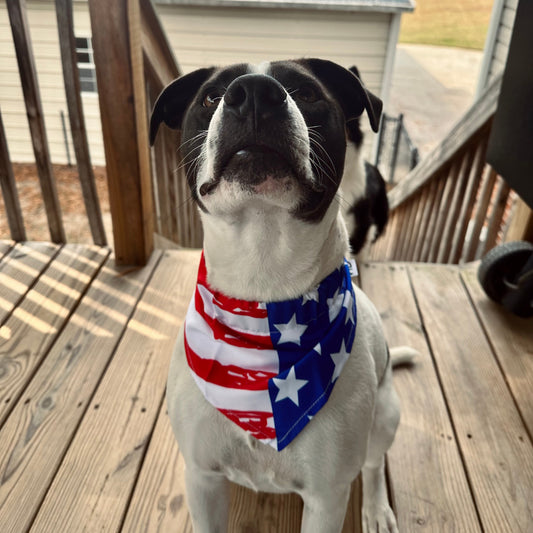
(373, 208)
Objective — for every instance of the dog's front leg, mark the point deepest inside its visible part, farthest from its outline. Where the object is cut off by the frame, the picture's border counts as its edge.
(324, 513)
(208, 500)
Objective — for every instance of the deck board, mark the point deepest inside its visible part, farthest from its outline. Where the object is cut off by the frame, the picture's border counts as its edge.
(5, 246)
(158, 503)
(430, 488)
(22, 265)
(511, 338)
(38, 432)
(98, 474)
(85, 437)
(488, 427)
(35, 323)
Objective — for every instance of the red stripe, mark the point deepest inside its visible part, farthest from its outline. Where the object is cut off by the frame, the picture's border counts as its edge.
(233, 305)
(229, 335)
(230, 376)
(253, 421)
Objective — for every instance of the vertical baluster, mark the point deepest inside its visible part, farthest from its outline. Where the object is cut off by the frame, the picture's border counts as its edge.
(455, 206)
(417, 221)
(34, 110)
(442, 181)
(465, 215)
(393, 236)
(428, 201)
(65, 26)
(480, 213)
(408, 227)
(9, 190)
(496, 215)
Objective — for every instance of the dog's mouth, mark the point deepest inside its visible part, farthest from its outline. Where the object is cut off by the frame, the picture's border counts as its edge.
(253, 165)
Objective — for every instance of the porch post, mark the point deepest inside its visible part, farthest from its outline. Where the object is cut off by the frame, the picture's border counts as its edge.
(116, 45)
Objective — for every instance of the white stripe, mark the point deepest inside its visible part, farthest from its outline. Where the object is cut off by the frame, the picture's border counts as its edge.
(246, 324)
(202, 341)
(235, 399)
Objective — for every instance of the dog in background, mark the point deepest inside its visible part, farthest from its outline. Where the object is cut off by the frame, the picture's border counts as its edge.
(365, 205)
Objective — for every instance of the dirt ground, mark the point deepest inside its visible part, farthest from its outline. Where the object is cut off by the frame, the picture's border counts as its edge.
(70, 199)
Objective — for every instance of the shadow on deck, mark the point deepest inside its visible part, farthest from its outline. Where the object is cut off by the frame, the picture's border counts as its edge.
(85, 442)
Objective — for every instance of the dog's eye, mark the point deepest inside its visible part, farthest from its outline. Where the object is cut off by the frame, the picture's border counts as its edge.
(212, 98)
(308, 93)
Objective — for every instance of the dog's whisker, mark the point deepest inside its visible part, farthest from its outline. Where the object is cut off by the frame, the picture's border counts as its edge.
(327, 164)
(312, 131)
(193, 166)
(187, 160)
(200, 135)
(330, 161)
(342, 201)
(317, 163)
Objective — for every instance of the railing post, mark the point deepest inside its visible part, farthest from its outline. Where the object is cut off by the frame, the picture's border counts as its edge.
(34, 110)
(117, 53)
(65, 25)
(9, 190)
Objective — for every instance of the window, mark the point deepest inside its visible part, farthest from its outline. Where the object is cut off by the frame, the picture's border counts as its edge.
(84, 56)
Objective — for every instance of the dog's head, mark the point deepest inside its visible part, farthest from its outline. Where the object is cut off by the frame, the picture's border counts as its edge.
(275, 134)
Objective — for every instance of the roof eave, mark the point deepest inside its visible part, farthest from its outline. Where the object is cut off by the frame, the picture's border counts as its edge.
(382, 6)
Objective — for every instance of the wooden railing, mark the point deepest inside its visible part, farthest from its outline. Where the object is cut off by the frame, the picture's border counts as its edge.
(147, 188)
(453, 207)
(133, 63)
(34, 110)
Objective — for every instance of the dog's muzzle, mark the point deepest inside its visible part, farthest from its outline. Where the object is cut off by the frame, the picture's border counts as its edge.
(258, 134)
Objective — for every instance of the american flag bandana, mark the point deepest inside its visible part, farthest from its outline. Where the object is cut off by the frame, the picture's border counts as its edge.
(270, 367)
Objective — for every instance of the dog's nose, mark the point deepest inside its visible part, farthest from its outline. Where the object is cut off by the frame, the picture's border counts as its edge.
(255, 94)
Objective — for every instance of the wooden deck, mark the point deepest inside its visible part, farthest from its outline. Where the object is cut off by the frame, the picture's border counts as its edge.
(85, 443)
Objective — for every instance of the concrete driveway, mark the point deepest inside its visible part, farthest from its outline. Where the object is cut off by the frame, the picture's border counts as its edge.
(433, 87)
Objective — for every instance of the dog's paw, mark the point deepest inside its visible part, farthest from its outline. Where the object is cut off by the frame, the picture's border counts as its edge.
(379, 519)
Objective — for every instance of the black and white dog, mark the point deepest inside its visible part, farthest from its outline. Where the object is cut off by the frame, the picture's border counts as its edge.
(363, 191)
(271, 383)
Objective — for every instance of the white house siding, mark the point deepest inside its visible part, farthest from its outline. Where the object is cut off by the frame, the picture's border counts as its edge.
(45, 43)
(205, 36)
(498, 41)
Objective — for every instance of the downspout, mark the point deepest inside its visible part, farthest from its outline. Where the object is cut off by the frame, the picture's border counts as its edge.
(390, 56)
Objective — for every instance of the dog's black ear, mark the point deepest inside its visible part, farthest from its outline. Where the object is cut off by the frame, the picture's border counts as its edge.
(349, 90)
(354, 70)
(174, 99)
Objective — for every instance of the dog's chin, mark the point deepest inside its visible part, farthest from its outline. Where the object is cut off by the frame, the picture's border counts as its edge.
(252, 166)
(252, 174)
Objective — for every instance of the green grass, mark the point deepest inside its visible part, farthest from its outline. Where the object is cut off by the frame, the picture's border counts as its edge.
(457, 23)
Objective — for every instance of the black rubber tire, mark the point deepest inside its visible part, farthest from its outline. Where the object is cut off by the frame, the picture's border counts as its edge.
(499, 268)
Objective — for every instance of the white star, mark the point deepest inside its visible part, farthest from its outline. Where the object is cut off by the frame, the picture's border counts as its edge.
(349, 308)
(309, 296)
(291, 332)
(289, 387)
(339, 359)
(334, 305)
(318, 349)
